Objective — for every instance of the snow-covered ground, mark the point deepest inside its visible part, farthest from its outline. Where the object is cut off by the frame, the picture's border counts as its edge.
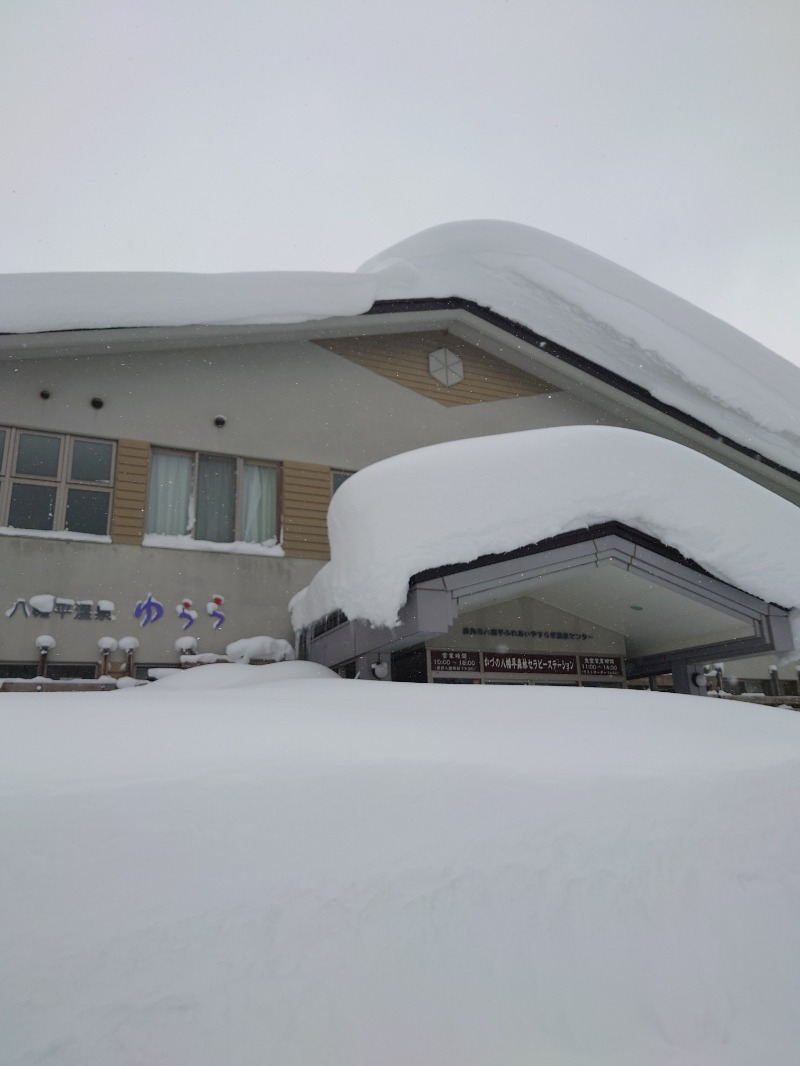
(216, 869)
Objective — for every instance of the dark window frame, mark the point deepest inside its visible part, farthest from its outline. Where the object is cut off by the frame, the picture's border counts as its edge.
(61, 482)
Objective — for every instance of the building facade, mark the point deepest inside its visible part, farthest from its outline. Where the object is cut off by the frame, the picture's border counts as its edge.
(171, 481)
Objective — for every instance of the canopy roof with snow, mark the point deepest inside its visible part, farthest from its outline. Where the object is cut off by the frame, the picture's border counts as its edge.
(410, 549)
(409, 514)
(621, 325)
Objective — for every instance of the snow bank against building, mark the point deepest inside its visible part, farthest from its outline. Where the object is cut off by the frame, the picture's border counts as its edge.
(221, 676)
(264, 648)
(353, 874)
(451, 503)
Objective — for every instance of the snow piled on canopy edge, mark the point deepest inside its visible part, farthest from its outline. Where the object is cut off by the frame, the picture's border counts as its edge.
(451, 503)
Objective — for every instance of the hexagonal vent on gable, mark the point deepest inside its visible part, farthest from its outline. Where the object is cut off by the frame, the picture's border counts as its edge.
(446, 367)
(438, 365)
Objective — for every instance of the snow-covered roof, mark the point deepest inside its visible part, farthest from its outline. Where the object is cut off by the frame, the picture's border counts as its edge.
(683, 356)
(410, 513)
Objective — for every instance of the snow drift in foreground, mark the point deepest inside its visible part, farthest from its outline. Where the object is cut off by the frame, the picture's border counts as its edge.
(682, 355)
(351, 874)
(220, 677)
(409, 513)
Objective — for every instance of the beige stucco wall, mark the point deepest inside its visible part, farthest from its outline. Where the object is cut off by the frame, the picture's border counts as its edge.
(282, 401)
(256, 590)
(543, 626)
(528, 614)
(287, 400)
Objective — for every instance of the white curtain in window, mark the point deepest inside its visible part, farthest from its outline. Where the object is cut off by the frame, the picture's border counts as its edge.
(216, 498)
(169, 494)
(259, 503)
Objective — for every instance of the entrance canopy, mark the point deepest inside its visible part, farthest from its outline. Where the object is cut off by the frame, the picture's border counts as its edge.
(453, 503)
(684, 559)
(673, 615)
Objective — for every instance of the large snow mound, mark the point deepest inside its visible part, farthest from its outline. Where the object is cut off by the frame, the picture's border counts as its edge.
(263, 647)
(359, 873)
(412, 512)
(682, 355)
(222, 676)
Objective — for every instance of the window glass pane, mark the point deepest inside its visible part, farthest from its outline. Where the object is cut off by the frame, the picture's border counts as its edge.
(32, 506)
(38, 455)
(91, 461)
(259, 503)
(169, 494)
(216, 494)
(87, 511)
(2, 446)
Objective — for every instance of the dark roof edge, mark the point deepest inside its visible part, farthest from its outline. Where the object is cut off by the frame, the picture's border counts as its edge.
(580, 362)
(562, 540)
(575, 536)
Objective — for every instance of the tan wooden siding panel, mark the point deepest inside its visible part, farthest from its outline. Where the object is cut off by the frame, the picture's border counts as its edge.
(305, 499)
(132, 495)
(133, 474)
(318, 494)
(130, 492)
(317, 485)
(403, 358)
(306, 495)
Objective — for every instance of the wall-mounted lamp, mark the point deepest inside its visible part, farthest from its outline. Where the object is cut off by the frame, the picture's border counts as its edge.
(44, 645)
(128, 645)
(105, 645)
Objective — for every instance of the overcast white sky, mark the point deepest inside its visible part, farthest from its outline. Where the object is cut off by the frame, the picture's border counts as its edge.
(310, 134)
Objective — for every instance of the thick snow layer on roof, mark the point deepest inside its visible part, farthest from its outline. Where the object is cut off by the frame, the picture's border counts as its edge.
(682, 355)
(454, 502)
(32, 303)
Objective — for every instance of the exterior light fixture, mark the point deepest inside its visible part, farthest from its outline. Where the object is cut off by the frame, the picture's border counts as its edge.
(44, 645)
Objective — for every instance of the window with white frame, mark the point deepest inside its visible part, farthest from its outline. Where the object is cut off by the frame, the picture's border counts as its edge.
(55, 481)
(212, 497)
